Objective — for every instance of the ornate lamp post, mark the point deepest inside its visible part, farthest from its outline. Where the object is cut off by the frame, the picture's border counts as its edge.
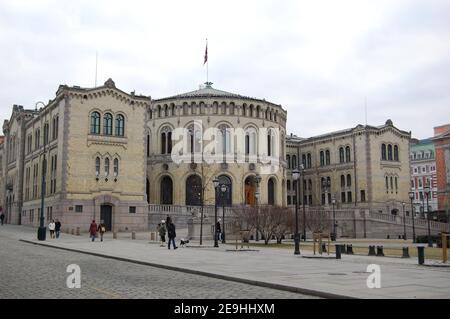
(216, 186)
(223, 189)
(296, 177)
(42, 230)
(404, 221)
(411, 197)
(257, 196)
(333, 201)
(302, 169)
(427, 194)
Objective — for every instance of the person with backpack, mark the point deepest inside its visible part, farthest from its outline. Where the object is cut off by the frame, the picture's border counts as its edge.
(101, 229)
(171, 234)
(162, 232)
(51, 228)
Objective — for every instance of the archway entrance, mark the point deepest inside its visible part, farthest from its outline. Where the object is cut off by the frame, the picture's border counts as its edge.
(166, 191)
(106, 216)
(250, 190)
(194, 190)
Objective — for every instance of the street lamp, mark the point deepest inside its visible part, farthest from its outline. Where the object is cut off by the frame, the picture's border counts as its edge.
(296, 177)
(427, 193)
(411, 197)
(223, 189)
(216, 185)
(42, 230)
(333, 201)
(302, 168)
(404, 221)
(257, 196)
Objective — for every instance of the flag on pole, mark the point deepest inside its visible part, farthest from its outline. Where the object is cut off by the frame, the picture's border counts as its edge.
(206, 53)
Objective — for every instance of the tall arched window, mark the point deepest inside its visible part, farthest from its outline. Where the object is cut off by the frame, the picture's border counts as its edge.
(349, 180)
(288, 160)
(395, 153)
(97, 166)
(166, 188)
(225, 198)
(309, 161)
(107, 124)
(116, 167)
(194, 190)
(387, 184)
(106, 166)
(271, 192)
(304, 160)
(327, 157)
(163, 143)
(389, 152)
(95, 123)
(294, 161)
(342, 181)
(120, 125)
(322, 159)
(383, 152)
(341, 155)
(148, 145)
(347, 154)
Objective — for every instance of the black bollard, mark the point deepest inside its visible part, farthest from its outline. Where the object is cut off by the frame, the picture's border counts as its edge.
(405, 252)
(372, 251)
(421, 255)
(349, 249)
(343, 249)
(338, 251)
(380, 252)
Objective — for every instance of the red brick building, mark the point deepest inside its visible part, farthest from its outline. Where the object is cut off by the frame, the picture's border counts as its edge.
(442, 146)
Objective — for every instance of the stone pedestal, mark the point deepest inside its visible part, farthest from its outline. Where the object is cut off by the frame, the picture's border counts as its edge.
(194, 228)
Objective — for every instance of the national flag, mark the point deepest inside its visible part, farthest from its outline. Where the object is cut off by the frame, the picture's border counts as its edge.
(206, 54)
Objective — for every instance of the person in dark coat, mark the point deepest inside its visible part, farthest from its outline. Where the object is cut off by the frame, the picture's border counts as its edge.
(171, 234)
(57, 228)
(93, 230)
(2, 218)
(218, 230)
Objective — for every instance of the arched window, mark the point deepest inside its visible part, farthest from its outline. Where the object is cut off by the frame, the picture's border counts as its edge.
(347, 154)
(349, 180)
(106, 166)
(166, 110)
(159, 110)
(120, 125)
(341, 155)
(271, 192)
(322, 159)
(395, 153)
(169, 142)
(387, 184)
(288, 184)
(97, 166)
(148, 145)
(225, 139)
(107, 124)
(392, 184)
(95, 123)
(309, 161)
(294, 161)
(389, 152)
(271, 143)
(163, 143)
(116, 167)
(225, 198)
(327, 157)
(150, 114)
(383, 152)
(342, 181)
(288, 160)
(396, 185)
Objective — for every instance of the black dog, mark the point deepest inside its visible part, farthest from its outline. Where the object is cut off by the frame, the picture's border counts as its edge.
(183, 242)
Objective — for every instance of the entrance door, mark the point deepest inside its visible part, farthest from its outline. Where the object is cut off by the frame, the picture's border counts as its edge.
(106, 216)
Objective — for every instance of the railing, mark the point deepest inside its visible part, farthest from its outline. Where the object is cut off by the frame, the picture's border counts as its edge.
(381, 216)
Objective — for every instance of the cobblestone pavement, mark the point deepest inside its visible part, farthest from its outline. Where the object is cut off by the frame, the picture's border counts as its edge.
(29, 271)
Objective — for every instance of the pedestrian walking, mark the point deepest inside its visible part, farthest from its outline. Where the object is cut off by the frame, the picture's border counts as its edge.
(101, 229)
(2, 218)
(57, 228)
(93, 230)
(162, 232)
(51, 228)
(171, 234)
(218, 230)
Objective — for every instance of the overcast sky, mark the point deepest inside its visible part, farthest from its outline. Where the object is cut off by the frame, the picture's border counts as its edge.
(320, 59)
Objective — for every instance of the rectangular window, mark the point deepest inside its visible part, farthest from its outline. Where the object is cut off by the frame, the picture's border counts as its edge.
(132, 209)
(343, 197)
(78, 208)
(349, 197)
(363, 195)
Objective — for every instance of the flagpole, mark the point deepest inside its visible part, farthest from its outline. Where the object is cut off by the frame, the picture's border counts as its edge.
(207, 63)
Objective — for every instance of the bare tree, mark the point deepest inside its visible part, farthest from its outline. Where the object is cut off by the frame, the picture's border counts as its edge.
(317, 221)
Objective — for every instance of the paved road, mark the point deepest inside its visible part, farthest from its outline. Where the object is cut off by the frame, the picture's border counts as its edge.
(29, 271)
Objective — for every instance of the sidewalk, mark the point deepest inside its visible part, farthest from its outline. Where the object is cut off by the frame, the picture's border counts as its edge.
(273, 267)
